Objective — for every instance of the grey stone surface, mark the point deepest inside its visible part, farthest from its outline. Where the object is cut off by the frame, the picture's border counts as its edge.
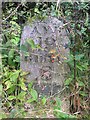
(50, 35)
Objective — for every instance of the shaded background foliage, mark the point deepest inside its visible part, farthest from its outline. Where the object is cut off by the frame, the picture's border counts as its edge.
(15, 16)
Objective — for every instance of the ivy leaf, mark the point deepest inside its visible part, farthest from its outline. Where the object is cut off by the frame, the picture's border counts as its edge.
(34, 94)
(14, 76)
(11, 89)
(8, 85)
(21, 96)
(23, 86)
(11, 97)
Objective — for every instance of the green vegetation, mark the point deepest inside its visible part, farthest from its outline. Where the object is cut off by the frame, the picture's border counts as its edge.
(16, 96)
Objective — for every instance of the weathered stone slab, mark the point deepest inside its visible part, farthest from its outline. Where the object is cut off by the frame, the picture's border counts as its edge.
(46, 63)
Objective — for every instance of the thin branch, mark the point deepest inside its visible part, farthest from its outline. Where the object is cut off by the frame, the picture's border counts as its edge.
(59, 92)
(13, 12)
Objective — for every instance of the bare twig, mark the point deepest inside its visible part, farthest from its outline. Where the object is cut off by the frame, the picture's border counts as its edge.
(59, 92)
(13, 12)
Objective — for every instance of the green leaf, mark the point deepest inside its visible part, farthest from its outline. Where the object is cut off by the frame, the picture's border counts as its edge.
(85, 66)
(83, 93)
(10, 56)
(17, 59)
(21, 96)
(22, 85)
(53, 13)
(2, 115)
(80, 83)
(13, 23)
(61, 114)
(70, 59)
(8, 85)
(13, 113)
(80, 67)
(14, 76)
(24, 73)
(36, 10)
(11, 97)
(14, 18)
(11, 89)
(15, 28)
(79, 57)
(83, 30)
(30, 86)
(38, 46)
(30, 100)
(44, 100)
(15, 40)
(1, 87)
(34, 94)
(31, 43)
(68, 81)
(23, 48)
(11, 53)
(58, 102)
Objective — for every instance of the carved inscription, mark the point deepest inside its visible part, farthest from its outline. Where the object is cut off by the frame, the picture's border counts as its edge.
(45, 62)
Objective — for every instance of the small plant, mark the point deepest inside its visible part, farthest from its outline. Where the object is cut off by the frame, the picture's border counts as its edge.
(15, 92)
(58, 111)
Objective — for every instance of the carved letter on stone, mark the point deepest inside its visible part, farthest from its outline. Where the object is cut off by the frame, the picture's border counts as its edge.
(46, 63)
